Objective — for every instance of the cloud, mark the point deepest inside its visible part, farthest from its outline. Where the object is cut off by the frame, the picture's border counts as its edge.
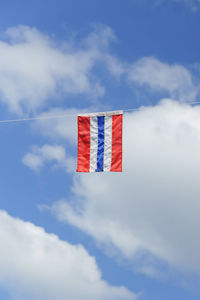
(150, 212)
(193, 4)
(62, 127)
(37, 265)
(115, 66)
(47, 153)
(33, 68)
(175, 80)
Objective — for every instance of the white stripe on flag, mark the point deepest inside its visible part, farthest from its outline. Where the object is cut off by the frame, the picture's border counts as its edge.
(107, 143)
(93, 143)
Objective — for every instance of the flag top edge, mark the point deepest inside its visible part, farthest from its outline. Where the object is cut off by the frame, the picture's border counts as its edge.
(108, 113)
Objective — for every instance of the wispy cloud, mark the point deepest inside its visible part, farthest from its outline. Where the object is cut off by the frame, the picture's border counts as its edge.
(61, 128)
(174, 79)
(194, 5)
(33, 68)
(45, 154)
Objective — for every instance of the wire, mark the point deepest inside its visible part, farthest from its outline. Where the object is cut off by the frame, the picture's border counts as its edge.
(37, 118)
(68, 115)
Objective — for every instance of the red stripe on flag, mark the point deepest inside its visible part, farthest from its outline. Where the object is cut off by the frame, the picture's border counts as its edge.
(83, 163)
(116, 162)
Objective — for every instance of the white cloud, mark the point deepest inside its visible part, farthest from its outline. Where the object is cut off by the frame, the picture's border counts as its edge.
(100, 37)
(34, 69)
(37, 265)
(115, 66)
(62, 127)
(47, 153)
(174, 79)
(153, 206)
(193, 4)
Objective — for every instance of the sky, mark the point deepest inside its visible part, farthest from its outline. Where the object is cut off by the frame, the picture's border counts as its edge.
(103, 236)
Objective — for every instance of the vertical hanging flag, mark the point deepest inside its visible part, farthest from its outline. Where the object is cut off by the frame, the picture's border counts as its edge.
(100, 142)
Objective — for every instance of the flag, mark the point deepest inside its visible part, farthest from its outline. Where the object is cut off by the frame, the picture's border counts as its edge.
(100, 142)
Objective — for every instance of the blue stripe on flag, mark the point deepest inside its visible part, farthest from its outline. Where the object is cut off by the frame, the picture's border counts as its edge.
(100, 151)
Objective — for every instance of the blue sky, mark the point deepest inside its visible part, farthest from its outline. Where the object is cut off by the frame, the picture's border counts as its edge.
(105, 236)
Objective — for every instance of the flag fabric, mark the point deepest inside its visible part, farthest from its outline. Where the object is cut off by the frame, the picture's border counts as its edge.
(100, 142)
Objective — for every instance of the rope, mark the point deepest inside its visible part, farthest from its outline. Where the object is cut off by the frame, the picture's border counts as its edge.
(66, 115)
